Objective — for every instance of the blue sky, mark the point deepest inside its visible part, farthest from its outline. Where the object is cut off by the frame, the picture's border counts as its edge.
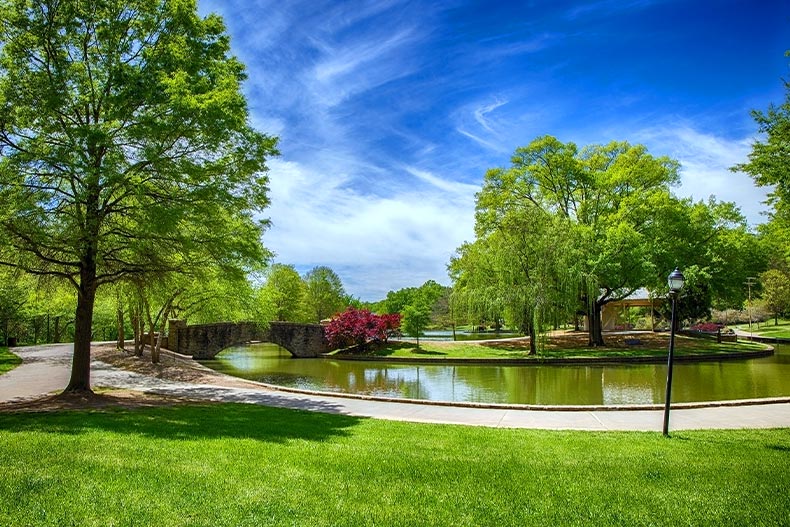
(389, 112)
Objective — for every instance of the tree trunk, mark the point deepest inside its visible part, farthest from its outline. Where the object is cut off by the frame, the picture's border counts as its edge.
(533, 337)
(81, 364)
(137, 328)
(595, 328)
(120, 342)
(57, 330)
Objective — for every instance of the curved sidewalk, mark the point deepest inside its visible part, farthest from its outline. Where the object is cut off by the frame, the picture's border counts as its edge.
(46, 369)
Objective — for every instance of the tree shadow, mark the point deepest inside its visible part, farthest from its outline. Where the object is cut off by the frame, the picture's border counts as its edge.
(313, 421)
(417, 350)
(404, 346)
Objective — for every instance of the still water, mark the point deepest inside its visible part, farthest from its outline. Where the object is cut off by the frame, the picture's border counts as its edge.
(549, 385)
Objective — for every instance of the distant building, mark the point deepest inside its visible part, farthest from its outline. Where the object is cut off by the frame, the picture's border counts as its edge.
(615, 315)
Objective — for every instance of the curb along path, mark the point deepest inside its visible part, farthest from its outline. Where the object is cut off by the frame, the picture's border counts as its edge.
(46, 369)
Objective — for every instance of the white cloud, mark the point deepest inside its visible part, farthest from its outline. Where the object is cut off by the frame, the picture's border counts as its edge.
(375, 243)
(706, 159)
(490, 144)
(481, 112)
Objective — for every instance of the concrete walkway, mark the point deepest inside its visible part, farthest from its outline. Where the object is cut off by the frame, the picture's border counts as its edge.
(46, 369)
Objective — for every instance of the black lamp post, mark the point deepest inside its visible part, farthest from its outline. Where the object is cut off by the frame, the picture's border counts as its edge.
(675, 281)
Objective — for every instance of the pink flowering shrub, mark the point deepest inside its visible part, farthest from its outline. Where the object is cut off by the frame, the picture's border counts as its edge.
(707, 327)
(360, 327)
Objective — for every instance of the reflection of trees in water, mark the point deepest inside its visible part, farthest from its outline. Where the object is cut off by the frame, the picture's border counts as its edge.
(624, 384)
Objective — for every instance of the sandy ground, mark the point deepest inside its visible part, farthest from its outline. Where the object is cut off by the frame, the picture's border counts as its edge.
(169, 368)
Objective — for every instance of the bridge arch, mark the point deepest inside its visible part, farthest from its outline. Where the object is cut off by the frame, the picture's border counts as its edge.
(205, 341)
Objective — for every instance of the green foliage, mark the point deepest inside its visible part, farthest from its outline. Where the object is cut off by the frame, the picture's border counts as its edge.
(125, 147)
(776, 292)
(324, 295)
(234, 464)
(282, 296)
(415, 321)
(562, 225)
(769, 165)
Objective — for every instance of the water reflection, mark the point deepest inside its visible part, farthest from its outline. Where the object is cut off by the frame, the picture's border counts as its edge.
(550, 385)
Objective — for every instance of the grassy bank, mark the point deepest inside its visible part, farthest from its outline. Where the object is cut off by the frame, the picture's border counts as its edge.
(565, 346)
(8, 361)
(247, 465)
(768, 329)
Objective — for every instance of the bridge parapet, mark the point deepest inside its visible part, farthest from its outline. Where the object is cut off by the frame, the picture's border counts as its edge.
(204, 341)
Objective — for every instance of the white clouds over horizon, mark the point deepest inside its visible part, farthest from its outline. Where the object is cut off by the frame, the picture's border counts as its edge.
(390, 111)
(376, 243)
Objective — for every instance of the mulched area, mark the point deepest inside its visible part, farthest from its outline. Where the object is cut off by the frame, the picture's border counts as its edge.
(169, 368)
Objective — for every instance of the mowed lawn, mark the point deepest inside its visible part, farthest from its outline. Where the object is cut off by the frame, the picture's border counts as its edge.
(8, 361)
(769, 329)
(234, 465)
(565, 346)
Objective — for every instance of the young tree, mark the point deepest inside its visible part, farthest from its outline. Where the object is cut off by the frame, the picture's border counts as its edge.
(125, 147)
(281, 297)
(324, 295)
(776, 292)
(415, 320)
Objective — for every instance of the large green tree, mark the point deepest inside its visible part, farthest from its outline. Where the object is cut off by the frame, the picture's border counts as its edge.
(125, 147)
(522, 267)
(612, 197)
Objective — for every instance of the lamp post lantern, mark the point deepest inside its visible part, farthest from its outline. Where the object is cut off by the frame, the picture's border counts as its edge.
(675, 281)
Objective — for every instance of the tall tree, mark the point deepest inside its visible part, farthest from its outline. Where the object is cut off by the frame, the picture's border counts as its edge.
(324, 295)
(769, 165)
(609, 195)
(523, 266)
(125, 147)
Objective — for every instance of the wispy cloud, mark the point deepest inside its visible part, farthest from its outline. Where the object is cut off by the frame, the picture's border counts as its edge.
(387, 110)
(607, 7)
(481, 112)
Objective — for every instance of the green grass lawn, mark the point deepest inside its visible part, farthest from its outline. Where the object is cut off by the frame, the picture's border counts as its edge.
(248, 465)
(768, 329)
(8, 361)
(652, 345)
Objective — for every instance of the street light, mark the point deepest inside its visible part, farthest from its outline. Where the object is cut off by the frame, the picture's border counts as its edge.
(675, 281)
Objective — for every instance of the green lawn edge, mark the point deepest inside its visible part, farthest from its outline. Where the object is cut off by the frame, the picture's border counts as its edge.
(768, 329)
(234, 464)
(8, 360)
(687, 349)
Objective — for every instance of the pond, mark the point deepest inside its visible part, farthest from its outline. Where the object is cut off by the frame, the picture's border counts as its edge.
(532, 384)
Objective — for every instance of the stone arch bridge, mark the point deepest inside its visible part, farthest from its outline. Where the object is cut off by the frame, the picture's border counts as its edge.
(204, 341)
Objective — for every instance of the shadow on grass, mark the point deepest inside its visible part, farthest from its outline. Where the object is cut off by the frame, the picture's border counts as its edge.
(190, 422)
(406, 347)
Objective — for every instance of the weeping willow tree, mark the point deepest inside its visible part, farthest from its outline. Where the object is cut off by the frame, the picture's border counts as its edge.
(522, 267)
(609, 199)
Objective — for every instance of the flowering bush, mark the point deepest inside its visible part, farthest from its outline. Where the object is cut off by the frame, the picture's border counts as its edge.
(707, 327)
(360, 327)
